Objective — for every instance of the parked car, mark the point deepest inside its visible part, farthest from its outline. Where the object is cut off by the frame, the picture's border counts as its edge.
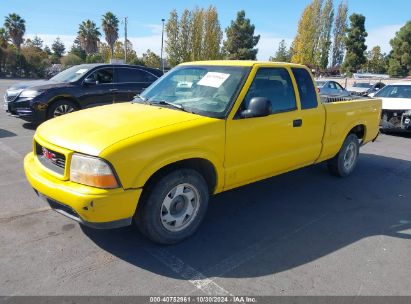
(364, 89)
(396, 106)
(155, 161)
(76, 88)
(331, 88)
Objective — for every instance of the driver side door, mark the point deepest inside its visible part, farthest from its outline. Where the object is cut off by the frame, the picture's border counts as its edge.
(100, 91)
(261, 147)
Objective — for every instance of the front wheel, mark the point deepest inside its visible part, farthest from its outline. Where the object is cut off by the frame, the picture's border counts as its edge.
(343, 164)
(172, 208)
(61, 107)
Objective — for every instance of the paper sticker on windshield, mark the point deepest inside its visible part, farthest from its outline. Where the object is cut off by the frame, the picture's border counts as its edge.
(81, 71)
(213, 79)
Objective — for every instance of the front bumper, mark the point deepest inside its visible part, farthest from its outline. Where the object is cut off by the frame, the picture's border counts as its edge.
(94, 207)
(396, 120)
(25, 109)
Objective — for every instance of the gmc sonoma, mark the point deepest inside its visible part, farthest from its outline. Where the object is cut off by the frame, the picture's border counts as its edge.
(201, 129)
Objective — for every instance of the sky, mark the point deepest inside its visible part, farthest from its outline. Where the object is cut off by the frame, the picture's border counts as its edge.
(274, 20)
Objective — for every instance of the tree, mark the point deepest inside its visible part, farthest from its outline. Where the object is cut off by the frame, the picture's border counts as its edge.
(151, 59)
(184, 39)
(339, 32)
(94, 58)
(36, 43)
(47, 50)
(305, 44)
(282, 54)
(16, 27)
(197, 38)
(241, 41)
(77, 50)
(58, 48)
(4, 38)
(70, 60)
(172, 42)
(400, 62)
(105, 51)
(212, 35)
(119, 51)
(355, 44)
(324, 46)
(89, 36)
(110, 28)
(376, 61)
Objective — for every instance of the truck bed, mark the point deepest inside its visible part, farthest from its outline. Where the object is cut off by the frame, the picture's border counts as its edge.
(343, 116)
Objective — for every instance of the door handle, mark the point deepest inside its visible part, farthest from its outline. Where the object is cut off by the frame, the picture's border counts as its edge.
(297, 123)
(113, 90)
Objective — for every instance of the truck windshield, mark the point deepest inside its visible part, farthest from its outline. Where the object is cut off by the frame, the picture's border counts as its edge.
(395, 91)
(204, 90)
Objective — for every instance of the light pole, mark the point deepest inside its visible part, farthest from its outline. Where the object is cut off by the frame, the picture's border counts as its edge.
(162, 42)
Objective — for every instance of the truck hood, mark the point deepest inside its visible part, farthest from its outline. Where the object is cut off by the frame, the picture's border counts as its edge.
(91, 131)
(396, 103)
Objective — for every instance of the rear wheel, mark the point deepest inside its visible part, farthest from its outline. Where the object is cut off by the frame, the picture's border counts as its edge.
(61, 107)
(172, 207)
(343, 164)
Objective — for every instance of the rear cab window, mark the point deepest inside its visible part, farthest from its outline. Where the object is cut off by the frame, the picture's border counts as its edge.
(306, 89)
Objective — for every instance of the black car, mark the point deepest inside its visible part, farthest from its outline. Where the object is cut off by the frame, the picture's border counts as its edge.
(79, 87)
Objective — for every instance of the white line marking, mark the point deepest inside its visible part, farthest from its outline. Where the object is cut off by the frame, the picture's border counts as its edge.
(10, 151)
(187, 272)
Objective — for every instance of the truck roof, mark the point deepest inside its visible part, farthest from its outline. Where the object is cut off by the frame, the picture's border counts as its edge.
(241, 63)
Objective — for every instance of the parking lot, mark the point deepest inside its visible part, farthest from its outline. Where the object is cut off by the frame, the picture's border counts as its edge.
(301, 233)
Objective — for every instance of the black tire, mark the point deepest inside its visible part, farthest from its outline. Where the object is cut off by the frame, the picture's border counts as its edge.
(151, 212)
(61, 104)
(338, 164)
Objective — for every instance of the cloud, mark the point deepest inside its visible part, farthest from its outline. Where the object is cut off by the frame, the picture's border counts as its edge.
(268, 44)
(143, 43)
(381, 36)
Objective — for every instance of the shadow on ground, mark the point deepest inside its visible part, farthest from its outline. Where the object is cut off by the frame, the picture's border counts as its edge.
(30, 126)
(5, 133)
(282, 222)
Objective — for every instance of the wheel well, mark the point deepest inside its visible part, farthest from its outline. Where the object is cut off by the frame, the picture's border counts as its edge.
(359, 131)
(63, 98)
(202, 166)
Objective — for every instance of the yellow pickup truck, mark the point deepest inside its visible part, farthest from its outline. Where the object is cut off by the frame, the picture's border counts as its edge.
(203, 128)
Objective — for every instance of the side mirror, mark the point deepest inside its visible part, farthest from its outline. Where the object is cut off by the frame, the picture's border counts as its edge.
(258, 107)
(90, 81)
(371, 95)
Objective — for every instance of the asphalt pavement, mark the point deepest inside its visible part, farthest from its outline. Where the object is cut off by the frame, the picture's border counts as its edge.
(301, 233)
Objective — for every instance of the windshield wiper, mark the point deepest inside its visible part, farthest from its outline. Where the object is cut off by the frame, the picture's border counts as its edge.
(174, 105)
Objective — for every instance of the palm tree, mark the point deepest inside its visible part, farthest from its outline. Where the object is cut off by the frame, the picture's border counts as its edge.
(110, 27)
(15, 26)
(88, 35)
(4, 38)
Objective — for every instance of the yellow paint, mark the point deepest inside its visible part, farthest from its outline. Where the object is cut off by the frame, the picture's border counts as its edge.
(138, 140)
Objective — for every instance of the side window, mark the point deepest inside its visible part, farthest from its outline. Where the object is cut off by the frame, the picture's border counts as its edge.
(338, 86)
(103, 75)
(306, 88)
(133, 75)
(274, 84)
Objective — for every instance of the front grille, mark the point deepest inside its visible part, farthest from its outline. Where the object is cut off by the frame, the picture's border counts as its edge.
(51, 159)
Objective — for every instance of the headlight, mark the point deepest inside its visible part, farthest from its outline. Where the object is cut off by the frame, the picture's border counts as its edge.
(92, 171)
(30, 93)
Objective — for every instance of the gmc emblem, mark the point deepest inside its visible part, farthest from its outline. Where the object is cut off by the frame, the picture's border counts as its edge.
(47, 154)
